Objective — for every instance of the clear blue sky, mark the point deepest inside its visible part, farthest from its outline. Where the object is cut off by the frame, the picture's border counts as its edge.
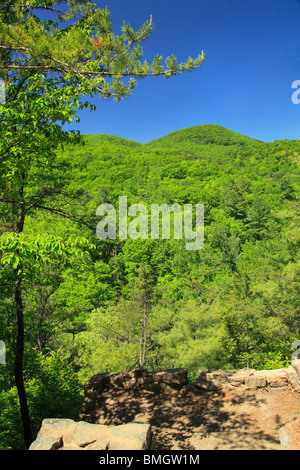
(252, 50)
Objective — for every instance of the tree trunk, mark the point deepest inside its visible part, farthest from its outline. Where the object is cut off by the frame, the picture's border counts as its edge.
(19, 363)
(20, 337)
(144, 333)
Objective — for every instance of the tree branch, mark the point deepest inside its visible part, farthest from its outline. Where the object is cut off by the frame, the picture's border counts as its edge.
(53, 210)
(52, 68)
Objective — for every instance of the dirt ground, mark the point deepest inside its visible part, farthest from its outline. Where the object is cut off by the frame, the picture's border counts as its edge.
(237, 419)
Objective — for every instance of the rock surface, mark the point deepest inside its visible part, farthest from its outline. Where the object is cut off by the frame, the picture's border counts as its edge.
(296, 368)
(66, 434)
(137, 378)
(101, 387)
(220, 409)
(252, 379)
(289, 435)
(211, 380)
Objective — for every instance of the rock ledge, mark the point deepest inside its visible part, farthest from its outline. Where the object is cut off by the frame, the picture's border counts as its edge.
(66, 434)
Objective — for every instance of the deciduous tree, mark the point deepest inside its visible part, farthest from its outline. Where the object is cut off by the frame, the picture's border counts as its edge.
(48, 67)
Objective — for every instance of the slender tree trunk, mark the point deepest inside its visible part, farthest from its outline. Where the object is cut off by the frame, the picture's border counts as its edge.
(144, 335)
(20, 338)
(144, 332)
(19, 363)
(141, 346)
(247, 343)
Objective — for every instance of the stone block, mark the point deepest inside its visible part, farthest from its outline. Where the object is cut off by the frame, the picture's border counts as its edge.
(56, 434)
(255, 381)
(211, 380)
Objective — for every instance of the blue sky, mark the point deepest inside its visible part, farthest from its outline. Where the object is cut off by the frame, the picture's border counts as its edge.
(252, 50)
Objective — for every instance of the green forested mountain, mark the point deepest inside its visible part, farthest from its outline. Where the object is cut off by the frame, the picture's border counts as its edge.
(149, 302)
(206, 134)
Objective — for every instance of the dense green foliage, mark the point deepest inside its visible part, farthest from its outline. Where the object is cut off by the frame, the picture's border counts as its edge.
(151, 302)
(53, 54)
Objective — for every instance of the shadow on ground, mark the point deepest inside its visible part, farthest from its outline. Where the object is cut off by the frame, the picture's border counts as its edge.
(205, 420)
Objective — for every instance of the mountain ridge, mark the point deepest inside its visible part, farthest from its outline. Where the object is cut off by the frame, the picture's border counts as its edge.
(203, 134)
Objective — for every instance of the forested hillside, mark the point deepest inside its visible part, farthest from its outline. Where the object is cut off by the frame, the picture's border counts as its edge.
(152, 303)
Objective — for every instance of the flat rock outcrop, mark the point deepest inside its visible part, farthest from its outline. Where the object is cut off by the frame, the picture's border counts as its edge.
(113, 417)
(66, 434)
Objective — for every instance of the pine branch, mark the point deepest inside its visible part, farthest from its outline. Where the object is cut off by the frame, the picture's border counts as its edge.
(134, 41)
(50, 68)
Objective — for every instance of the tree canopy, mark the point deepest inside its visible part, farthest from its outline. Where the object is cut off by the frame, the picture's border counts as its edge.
(48, 67)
